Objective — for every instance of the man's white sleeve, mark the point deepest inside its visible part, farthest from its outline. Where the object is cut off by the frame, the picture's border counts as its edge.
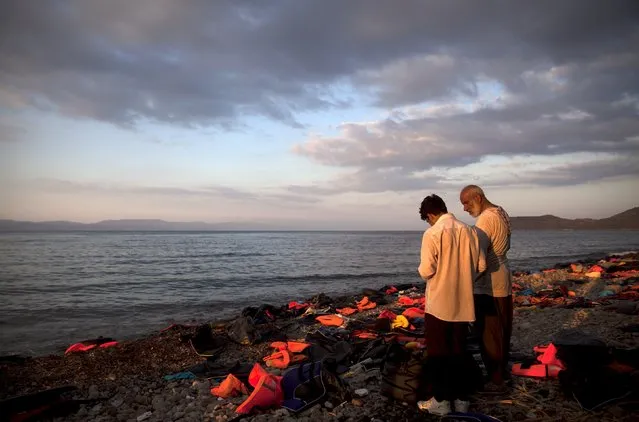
(429, 254)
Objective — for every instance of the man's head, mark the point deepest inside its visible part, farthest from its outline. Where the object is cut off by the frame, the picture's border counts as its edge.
(432, 208)
(473, 199)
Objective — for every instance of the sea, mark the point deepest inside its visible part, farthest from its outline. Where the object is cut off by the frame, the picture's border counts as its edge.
(58, 288)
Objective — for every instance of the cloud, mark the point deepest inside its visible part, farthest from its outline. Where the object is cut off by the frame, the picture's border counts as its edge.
(556, 110)
(461, 81)
(216, 192)
(213, 63)
(545, 171)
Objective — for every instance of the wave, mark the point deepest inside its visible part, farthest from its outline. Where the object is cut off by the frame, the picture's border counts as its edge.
(190, 283)
(623, 253)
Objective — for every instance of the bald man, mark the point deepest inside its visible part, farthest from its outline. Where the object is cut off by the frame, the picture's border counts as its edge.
(493, 291)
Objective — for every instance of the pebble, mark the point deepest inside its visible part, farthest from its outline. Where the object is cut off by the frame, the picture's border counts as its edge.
(281, 413)
(141, 399)
(93, 392)
(158, 403)
(362, 392)
(96, 409)
(144, 416)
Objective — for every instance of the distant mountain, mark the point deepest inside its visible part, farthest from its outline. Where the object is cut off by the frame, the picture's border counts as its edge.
(626, 220)
(130, 225)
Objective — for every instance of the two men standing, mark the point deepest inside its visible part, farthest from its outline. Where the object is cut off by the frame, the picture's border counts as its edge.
(468, 280)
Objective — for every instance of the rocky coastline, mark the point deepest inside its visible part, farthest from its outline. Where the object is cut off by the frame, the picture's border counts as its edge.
(129, 382)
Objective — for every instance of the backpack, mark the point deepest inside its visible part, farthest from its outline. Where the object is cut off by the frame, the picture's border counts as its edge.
(310, 383)
(403, 375)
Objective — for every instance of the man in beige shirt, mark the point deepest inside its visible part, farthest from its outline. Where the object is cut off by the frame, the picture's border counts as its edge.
(451, 261)
(493, 292)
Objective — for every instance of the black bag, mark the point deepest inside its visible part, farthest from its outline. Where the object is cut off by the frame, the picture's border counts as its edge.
(403, 375)
(588, 377)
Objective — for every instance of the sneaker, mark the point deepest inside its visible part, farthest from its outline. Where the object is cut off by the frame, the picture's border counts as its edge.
(461, 406)
(435, 407)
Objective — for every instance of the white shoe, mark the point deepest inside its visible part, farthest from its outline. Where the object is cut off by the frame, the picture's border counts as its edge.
(461, 406)
(435, 407)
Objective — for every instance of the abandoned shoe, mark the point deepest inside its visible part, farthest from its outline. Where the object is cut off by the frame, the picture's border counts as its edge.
(435, 407)
(461, 406)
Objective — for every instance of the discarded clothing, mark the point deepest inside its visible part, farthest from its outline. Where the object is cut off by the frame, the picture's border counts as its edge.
(309, 384)
(206, 342)
(387, 314)
(245, 331)
(365, 304)
(230, 387)
(180, 376)
(346, 311)
(546, 365)
(267, 391)
(86, 345)
(303, 387)
(412, 313)
(400, 322)
(298, 306)
(330, 320)
(208, 369)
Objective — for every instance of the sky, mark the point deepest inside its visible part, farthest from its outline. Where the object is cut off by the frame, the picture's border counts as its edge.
(327, 113)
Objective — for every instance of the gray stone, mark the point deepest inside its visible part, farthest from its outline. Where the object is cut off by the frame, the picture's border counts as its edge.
(195, 415)
(94, 393)
(362, 392)
(144, 416)
(281, 413)
(158, 403)
(96, 409)
(141, 399)
(628, 308)
(82, 411)
(122, 417)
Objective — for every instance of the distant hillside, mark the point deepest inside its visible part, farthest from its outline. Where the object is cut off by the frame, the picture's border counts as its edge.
(129, 225)
(625, 220)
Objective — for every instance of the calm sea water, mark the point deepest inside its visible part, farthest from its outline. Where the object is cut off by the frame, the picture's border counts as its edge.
(59, 288)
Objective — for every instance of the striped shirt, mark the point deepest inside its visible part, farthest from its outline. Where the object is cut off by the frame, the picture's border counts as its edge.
(493, 226)
(451, 260)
